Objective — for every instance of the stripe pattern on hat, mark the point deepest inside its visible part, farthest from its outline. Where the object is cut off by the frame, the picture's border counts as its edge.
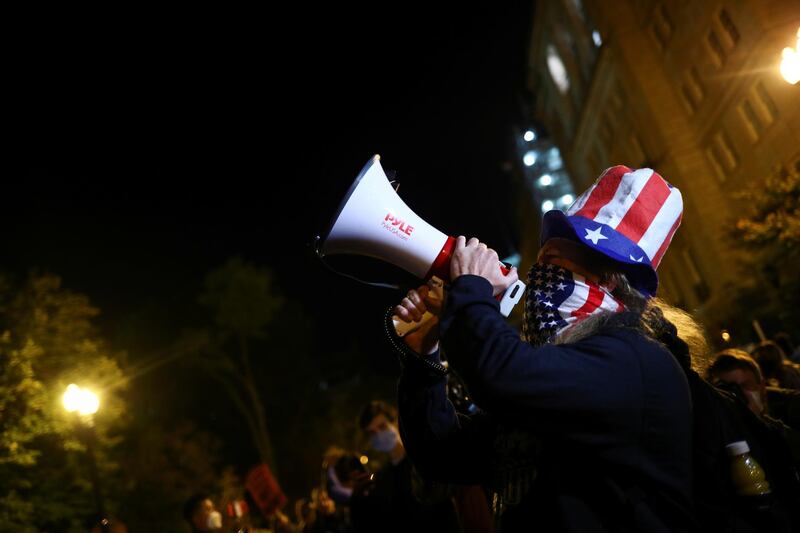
(638, 204)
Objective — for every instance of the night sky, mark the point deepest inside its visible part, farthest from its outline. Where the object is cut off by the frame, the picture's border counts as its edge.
(149, 149)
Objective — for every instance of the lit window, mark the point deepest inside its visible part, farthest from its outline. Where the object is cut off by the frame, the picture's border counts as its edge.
(567, 199)
(554, 159)
(547, 205)
(557, 70)
(546, 180)
(529, 159)
(598, 41)
(530, 135)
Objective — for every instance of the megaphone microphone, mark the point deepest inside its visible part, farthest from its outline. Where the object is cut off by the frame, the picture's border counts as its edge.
(373, 221)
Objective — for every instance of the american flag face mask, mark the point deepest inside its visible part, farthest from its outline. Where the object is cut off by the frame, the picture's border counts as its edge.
(557, 298)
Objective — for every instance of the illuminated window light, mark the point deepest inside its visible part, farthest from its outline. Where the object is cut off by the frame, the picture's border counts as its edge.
(546, 180)
(529, 159)
(547, 205)
(598, 41)
(567, 199)
(554, 161)
(557, 70)
(529, 136)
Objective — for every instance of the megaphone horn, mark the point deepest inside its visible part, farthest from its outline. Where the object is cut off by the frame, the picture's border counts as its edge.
(373, 221)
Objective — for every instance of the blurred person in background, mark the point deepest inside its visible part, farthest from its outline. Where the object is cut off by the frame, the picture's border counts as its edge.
(784, 340)
(201, 514)
(778, 371)
(736, 367)
(102, 524)
(397, 498)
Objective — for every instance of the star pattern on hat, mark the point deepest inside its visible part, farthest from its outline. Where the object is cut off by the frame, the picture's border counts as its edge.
(595, 235)
(634, 259)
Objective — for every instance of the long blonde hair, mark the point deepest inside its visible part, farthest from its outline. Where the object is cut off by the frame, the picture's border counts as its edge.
(656, 317)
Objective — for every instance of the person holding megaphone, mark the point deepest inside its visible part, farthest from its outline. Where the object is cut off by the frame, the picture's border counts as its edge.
(584, 421)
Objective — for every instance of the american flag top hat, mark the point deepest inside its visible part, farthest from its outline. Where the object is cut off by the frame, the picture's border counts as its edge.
(627, 215)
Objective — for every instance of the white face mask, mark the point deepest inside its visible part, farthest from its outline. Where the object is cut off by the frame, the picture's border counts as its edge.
(385, 441)
(214, 520)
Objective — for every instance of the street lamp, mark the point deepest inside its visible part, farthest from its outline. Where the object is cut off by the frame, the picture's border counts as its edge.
(790, 64)
(81, 400)
(85, 403)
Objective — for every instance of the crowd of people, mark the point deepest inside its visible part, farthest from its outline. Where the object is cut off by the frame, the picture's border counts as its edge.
(396, 497)
(607, 413)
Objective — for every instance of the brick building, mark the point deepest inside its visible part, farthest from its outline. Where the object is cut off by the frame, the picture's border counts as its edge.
(691, 89)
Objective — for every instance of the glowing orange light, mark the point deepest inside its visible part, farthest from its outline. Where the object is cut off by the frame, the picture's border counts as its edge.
(790, 64)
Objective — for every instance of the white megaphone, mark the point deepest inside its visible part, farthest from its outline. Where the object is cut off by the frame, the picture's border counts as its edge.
(373, 221)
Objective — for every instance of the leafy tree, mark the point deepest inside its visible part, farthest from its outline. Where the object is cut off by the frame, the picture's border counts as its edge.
(243, 301)
(770, 234)
(165, 467)
(773, 225)
(23, 420)
(47, 342)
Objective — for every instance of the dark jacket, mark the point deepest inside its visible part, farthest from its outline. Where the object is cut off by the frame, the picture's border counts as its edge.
(604, 424)
(784, 404)
(394, 503)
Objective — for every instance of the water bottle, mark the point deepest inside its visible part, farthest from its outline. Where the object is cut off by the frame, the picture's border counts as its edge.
(746, 473)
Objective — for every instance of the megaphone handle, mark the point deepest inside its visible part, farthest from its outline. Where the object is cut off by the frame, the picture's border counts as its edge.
(511, 297)
(404, 328)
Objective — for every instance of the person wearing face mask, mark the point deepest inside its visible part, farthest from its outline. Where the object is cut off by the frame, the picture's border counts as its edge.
(396, 499)
(734, 366)
(586, 419)
(201, 514)
(776, 409)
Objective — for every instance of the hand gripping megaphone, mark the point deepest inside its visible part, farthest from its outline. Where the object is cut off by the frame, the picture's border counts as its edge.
(373, 221)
